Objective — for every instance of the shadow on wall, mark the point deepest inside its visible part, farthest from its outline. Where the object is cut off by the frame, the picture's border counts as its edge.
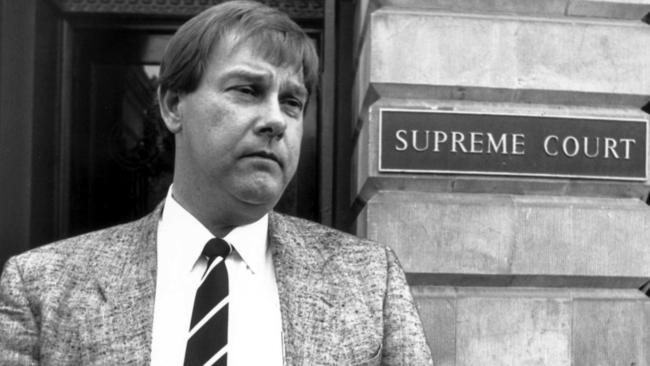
(646, 288)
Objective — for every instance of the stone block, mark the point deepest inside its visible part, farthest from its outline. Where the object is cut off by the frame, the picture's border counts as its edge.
(610, 9)
(513, 331)
(593, 239)
(608, 332)
(444, 235)
(437, 308)
(509, 59)
(528, 240)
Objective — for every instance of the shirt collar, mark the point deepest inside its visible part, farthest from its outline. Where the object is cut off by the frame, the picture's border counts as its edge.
(187, 237)
(250, 242)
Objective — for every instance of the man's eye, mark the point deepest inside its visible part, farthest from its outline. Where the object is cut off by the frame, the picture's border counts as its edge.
(248, 90)
(294, 103)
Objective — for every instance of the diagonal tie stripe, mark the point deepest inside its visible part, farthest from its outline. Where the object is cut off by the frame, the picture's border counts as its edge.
(210, 268)
(208, 339)
(218, 359)
(212, 291)
(208, 334)
(208, 316)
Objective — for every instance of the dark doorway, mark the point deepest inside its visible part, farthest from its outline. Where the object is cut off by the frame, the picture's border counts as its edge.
(121, 156)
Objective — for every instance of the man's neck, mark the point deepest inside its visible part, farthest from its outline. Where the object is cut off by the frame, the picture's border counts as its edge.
(220, 219)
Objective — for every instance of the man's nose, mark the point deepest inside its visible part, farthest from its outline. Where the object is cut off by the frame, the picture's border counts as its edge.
(272, 122)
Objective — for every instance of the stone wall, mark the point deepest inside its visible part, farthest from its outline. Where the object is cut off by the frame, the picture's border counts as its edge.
(510, 270)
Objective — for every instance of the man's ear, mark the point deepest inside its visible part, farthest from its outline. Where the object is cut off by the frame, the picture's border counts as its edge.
(169, 102)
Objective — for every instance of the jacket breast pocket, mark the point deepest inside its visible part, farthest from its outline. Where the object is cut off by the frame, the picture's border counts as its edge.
(375, 360)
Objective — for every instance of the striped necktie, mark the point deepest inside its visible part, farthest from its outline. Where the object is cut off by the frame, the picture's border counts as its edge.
(207, 340)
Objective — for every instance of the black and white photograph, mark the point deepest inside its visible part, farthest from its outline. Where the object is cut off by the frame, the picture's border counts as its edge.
(325, 182)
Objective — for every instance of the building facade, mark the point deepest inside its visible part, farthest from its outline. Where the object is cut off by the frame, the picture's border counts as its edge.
(500, 147)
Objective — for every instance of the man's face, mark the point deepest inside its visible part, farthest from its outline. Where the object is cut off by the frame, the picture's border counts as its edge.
(241, 129)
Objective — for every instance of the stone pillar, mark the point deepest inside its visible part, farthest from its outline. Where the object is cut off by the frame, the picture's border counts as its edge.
(510, 270)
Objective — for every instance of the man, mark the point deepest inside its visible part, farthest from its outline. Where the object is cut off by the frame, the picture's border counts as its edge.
(235, 81)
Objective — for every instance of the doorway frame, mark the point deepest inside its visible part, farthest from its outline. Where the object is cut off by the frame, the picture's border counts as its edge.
(72, 22)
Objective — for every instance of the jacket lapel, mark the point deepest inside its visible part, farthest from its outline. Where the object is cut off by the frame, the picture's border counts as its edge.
(126, 277)
(308, 298)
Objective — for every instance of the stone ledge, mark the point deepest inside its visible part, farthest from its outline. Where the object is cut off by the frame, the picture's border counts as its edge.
(612, 9)
(499, 185)
(519, 280)
(585, 239)
(502, 58)
(499, 95)
(618, 9)
(528, 7)
(568, 293)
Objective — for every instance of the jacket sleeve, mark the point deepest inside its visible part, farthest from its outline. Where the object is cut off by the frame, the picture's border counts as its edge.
(404, 341)
(18, 328)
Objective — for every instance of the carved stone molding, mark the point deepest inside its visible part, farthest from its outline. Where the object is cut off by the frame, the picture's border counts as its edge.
(297, 9)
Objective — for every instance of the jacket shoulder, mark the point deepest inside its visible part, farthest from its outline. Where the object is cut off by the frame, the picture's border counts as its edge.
(87, 242)
(318, 234)
(319, 245)
(73, 255)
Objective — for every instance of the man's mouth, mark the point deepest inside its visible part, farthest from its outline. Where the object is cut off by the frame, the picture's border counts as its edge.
(265, 155)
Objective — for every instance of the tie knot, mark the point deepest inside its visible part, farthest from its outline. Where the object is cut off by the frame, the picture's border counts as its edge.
(216, 247)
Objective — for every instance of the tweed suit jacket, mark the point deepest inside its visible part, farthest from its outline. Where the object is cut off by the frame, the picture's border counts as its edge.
(89, 300)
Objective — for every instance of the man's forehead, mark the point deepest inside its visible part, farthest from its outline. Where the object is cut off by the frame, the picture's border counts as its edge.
(244, 59)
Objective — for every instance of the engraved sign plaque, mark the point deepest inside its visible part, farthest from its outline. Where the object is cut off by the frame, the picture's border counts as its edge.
(432, 142)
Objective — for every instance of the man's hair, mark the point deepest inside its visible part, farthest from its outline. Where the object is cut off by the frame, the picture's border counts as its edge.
(270, 33)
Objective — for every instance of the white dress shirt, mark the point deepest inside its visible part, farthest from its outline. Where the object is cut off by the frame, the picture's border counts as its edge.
(254, 319)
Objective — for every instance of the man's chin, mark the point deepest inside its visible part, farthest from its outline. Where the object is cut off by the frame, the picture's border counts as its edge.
(263, 198)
